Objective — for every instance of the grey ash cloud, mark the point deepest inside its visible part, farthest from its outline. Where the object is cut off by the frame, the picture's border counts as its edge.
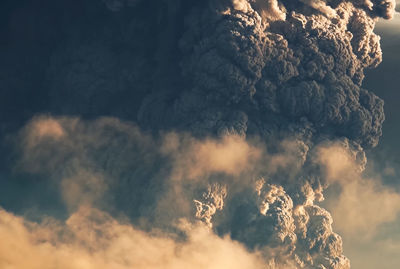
(268, 80)
(251, 71)
(239, 64)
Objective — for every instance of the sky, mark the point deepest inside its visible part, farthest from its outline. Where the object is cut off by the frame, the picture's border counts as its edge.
(383, 80)
(175, 134)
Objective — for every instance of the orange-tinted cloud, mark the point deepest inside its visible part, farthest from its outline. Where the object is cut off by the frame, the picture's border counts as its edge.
(363, 203)
(91, 239)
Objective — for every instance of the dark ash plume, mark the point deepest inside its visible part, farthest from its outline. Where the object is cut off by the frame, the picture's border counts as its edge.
(274, 69)
(236, 98)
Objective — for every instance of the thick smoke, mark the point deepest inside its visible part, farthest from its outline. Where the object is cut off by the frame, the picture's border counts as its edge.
(278, 69)
(247, 111)
(307, 67)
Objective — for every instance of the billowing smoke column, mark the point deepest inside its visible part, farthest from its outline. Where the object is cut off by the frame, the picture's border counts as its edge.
(277, 69)
(235, 75)
(252, 72)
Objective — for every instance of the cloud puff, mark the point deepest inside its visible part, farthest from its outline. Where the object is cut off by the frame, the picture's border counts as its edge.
(363, 203)
(90, 238)
(193, 158)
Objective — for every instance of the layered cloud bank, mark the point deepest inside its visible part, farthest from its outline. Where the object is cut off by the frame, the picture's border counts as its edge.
(246, 112)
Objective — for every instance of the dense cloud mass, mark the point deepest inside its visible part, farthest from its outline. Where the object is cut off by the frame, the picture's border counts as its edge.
(308, 66)
(245, 111)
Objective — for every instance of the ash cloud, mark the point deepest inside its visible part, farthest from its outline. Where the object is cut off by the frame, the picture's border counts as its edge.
(344, 165)
(159, 184)
(246, 110)
(304, 67)
(91, 238)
